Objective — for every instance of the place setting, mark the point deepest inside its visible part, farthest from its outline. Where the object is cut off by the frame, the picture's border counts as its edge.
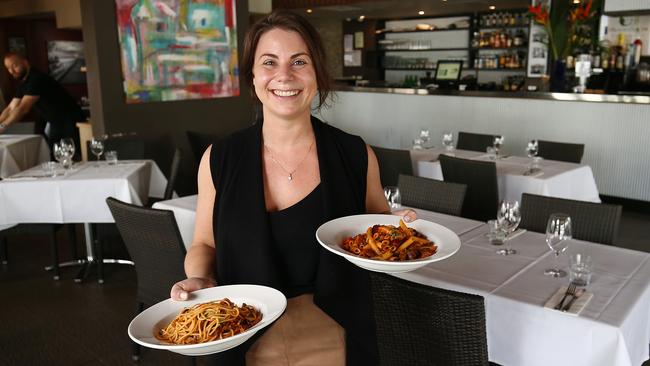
(574, 296)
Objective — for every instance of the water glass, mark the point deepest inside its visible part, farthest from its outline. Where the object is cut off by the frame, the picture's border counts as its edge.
(425, 137)
(558, 233)
(97, 147)
(417, 144)
(448, 141)
(508, 219)
(491, 152)
(393, 197)
(496, 234)
(50, 168)
(580, 269)
(532, 148)
(111, 157)
(497, 143)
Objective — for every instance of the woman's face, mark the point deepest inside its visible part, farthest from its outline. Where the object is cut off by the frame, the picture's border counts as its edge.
(283, 74)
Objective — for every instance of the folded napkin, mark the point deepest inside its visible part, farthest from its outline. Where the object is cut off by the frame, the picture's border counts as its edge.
(577, 305)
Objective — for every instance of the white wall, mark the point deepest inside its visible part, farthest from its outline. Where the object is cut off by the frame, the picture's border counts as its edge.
(616, 135)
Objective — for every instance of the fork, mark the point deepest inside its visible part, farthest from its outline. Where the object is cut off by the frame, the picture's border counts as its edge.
(570, 291)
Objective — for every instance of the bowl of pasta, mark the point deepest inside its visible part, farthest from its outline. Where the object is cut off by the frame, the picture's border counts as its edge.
(384, 243)
(213, 320)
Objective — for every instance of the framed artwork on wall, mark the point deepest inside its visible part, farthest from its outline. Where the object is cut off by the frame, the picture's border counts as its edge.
(177, 50)
(65, 60)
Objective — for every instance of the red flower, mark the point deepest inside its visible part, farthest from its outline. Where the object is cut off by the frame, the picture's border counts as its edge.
(539, 13)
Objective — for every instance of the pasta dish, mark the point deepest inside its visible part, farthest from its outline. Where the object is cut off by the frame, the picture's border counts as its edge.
(390, 243)
(209, 321)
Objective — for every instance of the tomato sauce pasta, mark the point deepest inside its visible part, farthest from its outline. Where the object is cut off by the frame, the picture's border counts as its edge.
(390, 243)
(209, 321)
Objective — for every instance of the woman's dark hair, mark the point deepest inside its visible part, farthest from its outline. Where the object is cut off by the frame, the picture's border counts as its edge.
(289, 21)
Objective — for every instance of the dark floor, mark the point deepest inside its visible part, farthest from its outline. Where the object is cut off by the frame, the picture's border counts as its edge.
(46, 322)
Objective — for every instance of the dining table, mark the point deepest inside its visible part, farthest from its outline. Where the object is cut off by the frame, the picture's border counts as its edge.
(514, 177)
(612, 328)
(20, 152)
(78, 195)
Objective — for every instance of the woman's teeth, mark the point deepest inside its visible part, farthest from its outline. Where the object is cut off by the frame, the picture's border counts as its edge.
(285, 93)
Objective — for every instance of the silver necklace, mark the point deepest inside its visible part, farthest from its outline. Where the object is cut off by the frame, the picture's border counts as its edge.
(289, 173)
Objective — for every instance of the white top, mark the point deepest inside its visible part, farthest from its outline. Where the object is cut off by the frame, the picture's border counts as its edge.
(556, 179)
(20, 152)
(80, 195)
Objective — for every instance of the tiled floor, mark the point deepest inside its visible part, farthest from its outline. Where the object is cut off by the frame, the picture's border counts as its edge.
(46, 322)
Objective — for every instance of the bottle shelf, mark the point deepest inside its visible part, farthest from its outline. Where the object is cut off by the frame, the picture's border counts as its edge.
(496, 27)
(500, 48)
(425, 49)
(422, 31)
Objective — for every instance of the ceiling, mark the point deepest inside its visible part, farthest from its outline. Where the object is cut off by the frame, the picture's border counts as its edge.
(384, 9)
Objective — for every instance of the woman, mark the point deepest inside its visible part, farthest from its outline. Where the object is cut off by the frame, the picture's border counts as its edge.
(263, 192)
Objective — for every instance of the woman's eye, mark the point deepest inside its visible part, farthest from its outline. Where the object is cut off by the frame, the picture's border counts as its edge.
(268, 63)
(299, 62)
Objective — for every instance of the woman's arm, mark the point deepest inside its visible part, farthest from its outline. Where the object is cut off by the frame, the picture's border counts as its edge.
(375, 199)
(200, 258)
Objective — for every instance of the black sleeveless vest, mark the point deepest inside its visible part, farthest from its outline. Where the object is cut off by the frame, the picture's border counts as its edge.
(243, 238)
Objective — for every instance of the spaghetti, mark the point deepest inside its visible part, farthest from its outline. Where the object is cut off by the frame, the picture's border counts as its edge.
(209, 321)
(390, 243)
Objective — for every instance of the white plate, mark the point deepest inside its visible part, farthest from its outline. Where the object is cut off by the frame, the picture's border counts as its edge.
(269, 301)
(331, 234)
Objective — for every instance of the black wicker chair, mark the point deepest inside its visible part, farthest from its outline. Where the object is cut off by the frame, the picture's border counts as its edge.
(482, 197)
(431, 194)
(474, 141)
(595, 222)
(199, 141)
(155, 246)
(392, 163)
(561, 151)
(422, 325)
(171, 181)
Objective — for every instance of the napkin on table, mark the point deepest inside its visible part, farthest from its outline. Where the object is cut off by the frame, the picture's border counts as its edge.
(577, 305)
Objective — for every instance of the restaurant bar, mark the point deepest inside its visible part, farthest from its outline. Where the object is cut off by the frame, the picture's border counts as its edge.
(325, 182)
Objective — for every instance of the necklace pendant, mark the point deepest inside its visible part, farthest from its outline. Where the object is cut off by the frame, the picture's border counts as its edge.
(290, 177)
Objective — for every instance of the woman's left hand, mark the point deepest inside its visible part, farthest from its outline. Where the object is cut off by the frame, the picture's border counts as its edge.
(408, 215)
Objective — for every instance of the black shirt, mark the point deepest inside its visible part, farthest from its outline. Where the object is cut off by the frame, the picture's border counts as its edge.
(54, 104)
(293, 238)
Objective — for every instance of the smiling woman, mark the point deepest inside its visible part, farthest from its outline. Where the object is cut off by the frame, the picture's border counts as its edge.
(284, 177)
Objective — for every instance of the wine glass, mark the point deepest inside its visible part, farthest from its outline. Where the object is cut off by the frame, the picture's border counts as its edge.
(531, 150)
(497, 143)
(558, 232)
(97, 147)
(448, 141)
(508, 219)
(67, 144)
(393, 197)
(59, 152)
(424, 136)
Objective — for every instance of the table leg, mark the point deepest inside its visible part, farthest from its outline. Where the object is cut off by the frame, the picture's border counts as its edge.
(94, 258)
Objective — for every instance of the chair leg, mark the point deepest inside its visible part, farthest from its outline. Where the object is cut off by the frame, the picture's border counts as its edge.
(4, 254)
(99, 257)
(72, 238)
(54, 245)
(135, 354)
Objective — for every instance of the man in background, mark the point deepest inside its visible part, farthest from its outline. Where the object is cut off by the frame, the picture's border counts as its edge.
(40, 91)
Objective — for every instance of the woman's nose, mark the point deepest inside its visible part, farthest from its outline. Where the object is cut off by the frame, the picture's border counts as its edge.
(285, 73)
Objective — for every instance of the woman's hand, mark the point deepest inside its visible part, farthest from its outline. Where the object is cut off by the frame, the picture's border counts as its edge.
(181, 290)
(408, 215)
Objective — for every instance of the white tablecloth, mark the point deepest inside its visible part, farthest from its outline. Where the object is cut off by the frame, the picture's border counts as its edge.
(80, 195)
(185, 212)
(557, 178)
(20, 152)
(613, 329)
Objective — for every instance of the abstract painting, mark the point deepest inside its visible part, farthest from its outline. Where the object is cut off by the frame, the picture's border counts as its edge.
(178, 49)
(65, 60)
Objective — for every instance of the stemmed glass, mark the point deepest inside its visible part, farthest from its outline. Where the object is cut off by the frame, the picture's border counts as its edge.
(448, 141)
(424, 136)
(531, 150)
(497, 143)
(97, 148)
(393, 197)
(60, 154)
(68, 147)
(558, 232)
(508, 219)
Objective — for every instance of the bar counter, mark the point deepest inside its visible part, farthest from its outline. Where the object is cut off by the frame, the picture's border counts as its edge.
(571, 97)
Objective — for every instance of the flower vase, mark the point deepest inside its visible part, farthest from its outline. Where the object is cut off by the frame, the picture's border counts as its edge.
(558, 76)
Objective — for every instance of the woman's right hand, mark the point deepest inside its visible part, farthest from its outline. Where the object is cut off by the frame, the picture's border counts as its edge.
(181, 290)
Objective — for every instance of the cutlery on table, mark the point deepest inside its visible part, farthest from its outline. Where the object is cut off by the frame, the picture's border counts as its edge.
(570, 291)
(575, 297)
